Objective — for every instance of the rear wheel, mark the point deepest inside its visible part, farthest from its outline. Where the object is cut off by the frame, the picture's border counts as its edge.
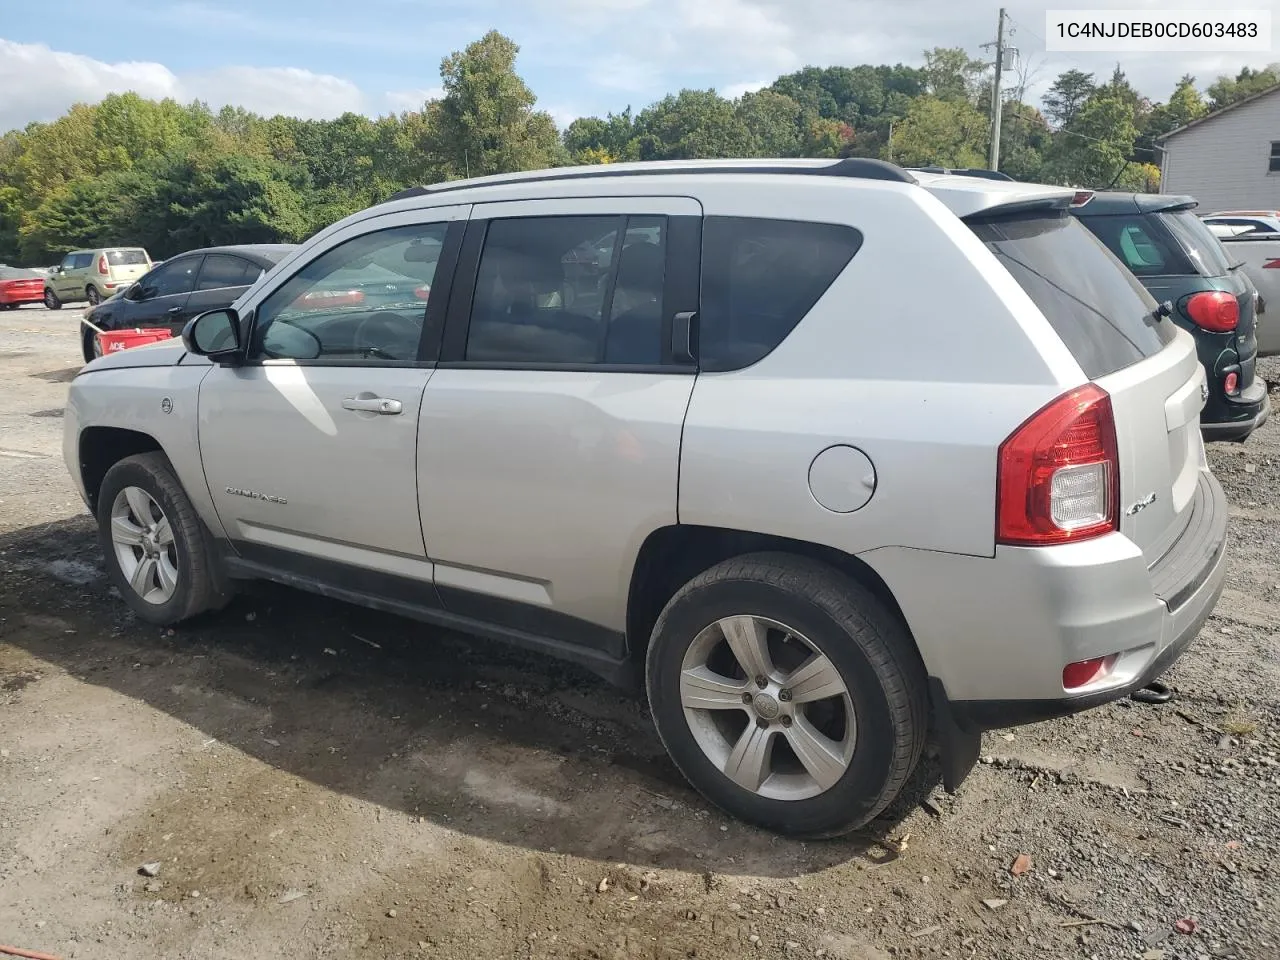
(158, 552)
(51, 300)
(787, 694)
(92, 295)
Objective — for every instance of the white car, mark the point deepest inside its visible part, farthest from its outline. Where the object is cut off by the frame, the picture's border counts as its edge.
(1252, 239)
(825, 456)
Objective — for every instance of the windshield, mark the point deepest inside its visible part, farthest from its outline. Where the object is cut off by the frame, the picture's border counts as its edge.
(1103, 314)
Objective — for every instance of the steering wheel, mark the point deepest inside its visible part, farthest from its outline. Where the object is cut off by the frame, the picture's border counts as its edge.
(384, 329)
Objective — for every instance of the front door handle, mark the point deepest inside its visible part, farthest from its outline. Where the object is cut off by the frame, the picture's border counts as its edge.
(382, 405)
(173, 310)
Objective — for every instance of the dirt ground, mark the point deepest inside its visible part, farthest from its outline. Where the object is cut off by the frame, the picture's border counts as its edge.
(315, 780)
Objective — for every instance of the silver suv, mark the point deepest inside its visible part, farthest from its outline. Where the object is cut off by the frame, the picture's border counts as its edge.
(645, 418)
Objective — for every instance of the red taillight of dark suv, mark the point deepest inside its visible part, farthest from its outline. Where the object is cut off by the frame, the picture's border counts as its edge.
(1058, 474)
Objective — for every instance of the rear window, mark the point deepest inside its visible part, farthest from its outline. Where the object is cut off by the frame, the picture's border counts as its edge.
(1103, 314)
(759, 278)
(1204, 249)
(127, 258)
(1142, 243)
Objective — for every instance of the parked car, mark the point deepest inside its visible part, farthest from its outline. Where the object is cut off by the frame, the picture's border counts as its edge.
(170, 295)
(19, 285)
(94, 275)
(1251, 238)
(703, 477)
(1176, 257)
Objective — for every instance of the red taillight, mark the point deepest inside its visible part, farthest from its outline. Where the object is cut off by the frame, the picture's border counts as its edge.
(1214, 310)
(1083, 672)
(102, 264)
(1231, 382)
(1058, 475)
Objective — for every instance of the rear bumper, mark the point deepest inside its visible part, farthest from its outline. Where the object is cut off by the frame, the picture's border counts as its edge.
(1239, 418)
(22, 296)
(995, 633)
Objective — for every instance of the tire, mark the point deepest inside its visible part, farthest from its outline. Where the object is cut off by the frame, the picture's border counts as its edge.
(89, 345)
(9, 306)
(198, 583)
(92, 295)
(870, 655)
(51, 300)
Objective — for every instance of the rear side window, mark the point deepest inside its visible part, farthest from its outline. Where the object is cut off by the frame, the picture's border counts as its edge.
(1199, 243)
(127, 258)
(1142, 243)
(220, 270)
(1105, 317)
(759, 278)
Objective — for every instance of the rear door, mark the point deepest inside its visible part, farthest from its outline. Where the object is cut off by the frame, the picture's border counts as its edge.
(550, 438)
(1147, 365)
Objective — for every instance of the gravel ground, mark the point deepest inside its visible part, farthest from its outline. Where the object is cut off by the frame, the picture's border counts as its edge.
(313, 780)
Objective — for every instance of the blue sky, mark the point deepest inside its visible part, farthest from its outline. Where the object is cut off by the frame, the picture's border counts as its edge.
(320, 57)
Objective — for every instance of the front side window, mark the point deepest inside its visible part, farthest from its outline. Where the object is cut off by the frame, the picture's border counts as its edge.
(175, 277)
(82, 260)
(564, 290)
(365, 299)
(759, 279)
(69, 262)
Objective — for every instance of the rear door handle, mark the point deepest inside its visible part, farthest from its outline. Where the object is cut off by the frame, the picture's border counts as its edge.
(382, 405)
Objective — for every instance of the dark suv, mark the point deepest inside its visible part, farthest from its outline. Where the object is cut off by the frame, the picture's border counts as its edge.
(1175, 256)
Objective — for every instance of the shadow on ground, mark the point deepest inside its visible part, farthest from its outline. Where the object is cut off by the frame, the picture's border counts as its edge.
(481, 738)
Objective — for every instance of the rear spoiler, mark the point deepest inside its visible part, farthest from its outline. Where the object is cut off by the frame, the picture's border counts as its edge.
(1045, 206)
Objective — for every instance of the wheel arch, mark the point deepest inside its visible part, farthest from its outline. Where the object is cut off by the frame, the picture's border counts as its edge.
(672, 555)
(100, 448)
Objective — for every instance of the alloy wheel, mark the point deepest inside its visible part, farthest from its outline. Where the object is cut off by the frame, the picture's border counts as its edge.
(767, 708)
(144, 546)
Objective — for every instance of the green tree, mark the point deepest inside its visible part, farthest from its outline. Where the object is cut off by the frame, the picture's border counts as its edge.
(951, 74)
(1069, 93)
(487, 121)
(611, 135)
(774, 124)
(951, 133)
(690, 125)
(1095, 148)
(1228, 90)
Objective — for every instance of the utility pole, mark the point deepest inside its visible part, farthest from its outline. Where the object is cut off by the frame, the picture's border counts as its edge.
(997, 105)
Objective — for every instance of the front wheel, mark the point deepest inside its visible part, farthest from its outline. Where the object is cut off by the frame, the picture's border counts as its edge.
(51, 300)
(787, 694)
(158, 553)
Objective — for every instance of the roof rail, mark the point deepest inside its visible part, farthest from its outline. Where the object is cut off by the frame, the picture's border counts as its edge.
(861, 168)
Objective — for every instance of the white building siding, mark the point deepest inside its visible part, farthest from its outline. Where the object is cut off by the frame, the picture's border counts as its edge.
(1223, 162)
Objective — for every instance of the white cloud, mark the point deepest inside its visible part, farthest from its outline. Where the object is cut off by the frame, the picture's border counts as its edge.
(734, 90)
(400, 100)
(40, 84)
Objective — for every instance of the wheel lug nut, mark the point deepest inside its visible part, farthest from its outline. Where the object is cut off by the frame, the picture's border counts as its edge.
(786, 721)
(784, 695)
(761, 722)
(746, 698)
(761, 682)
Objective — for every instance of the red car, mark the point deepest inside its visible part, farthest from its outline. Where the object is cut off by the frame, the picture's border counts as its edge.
(19, 286)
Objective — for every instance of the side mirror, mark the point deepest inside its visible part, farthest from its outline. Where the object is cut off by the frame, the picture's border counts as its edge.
(133, 292)
(214, 334)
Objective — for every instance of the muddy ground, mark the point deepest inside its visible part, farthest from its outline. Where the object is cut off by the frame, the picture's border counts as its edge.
(319, 781)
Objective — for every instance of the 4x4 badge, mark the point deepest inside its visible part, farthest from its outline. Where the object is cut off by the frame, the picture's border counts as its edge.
(1142, 504)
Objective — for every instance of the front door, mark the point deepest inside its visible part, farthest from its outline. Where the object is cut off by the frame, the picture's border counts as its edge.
(550, 438)
(65, 282)
(160, 297)
(309, 446)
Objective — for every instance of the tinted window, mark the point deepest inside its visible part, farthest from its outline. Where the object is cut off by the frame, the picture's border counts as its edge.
(562, 290)
(365, 299)
(1103, 315)
(221, 270)
(1198, 241)
(1142, 243)
(127, 258)
(175, 277)
(759, 279)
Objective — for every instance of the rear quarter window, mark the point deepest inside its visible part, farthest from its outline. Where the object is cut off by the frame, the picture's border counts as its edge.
(759, 278)
(1103, 314)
